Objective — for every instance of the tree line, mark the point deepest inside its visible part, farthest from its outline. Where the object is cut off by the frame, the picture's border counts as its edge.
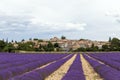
(113, 46)
(27, 46)
(6, 46)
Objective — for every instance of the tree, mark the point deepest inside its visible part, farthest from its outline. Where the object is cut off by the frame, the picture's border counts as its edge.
(89, 49)
(22, 40)
(29, 46)
(56, 45)
(50, 47)
(30, 39)
(40, 40)
(115, 44)
(95, 48)
(35, 39)
(81, 49)
(110, 39)
(2, 45)
(12, 41)
(9, 48)
(81, 39)
(105, 48)
(63, 37)
(41, 48)
(92, 46)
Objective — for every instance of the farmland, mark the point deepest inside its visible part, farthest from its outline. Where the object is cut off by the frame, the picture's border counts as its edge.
(47, 66)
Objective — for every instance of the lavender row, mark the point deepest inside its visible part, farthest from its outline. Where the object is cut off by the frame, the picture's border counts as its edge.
(27, 59)
(106, 72)
(42, 73)
(8, 58)
(17, 70)
(110, 59)
(115, 56)
(75, 71)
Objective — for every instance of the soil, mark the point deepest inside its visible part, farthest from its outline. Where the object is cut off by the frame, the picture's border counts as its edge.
(89, 72)
(58, 74)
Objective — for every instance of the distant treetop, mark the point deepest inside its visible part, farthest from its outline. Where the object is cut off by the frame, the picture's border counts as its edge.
(63, 37)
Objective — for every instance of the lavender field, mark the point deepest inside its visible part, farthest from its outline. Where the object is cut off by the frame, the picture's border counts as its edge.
(92, 66)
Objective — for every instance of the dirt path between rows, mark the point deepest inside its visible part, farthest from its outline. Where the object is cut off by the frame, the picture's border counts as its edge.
(89, 72)
(59, 73)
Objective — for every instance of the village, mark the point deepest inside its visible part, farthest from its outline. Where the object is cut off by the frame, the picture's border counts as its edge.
(65, 44)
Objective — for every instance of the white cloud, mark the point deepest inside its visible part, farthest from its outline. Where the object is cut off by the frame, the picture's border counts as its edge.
(115, 34)
(113, 13)
(54, 27)
(60, 16)
(76, 26)
(30, 25)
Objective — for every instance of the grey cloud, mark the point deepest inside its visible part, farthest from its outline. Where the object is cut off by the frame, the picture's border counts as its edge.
(72, 18)
(118, 20)
(13, 23)
(25, 25)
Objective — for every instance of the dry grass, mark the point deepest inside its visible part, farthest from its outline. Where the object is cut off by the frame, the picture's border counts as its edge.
(89, 72)
(58, 74)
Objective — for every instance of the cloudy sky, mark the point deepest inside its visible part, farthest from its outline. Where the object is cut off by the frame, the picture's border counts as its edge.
(75, 19)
